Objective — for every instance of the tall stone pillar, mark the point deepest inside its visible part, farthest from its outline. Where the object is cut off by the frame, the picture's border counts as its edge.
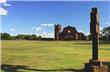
(94, 30)
(94, 64)
(57, 32)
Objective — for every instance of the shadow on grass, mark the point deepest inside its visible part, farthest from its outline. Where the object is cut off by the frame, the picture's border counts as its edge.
(20, 68)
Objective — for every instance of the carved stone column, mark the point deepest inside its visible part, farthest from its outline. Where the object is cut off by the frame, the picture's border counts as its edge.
(94, 64)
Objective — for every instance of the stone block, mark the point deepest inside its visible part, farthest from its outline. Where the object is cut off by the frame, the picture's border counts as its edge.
(95, 68)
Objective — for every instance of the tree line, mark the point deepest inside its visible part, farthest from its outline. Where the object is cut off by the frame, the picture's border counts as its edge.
(104, 35)
(6, 36)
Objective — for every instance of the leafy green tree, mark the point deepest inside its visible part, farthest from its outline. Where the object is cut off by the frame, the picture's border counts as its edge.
(89, 37)
(105, 33)
(20, 36)
(34, 37)
(13, 37)
(28, 37)
(5, 36)
(39, 38)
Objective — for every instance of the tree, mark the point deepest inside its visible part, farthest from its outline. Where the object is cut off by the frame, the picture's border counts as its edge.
(20, 36)
(39, 38)
(89, 37)
(28, 37)
(105, 33)
(34, 37)
(5, 36)
(13, 37)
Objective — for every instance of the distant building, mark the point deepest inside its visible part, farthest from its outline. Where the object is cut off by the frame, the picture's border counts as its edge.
(68, 33)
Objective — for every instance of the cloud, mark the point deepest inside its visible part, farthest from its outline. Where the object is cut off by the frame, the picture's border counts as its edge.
(47, 25)
(81, 31)
(101, 28)
(37, 34)
(50, 35)
(47, 35)
(87, 33)
(38, 28)
(13, 29)
(3, 1)
(50, 25)
(6, 4)
(43, 24)
(3, 11)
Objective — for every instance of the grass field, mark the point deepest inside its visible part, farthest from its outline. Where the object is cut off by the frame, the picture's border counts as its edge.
(49, 56)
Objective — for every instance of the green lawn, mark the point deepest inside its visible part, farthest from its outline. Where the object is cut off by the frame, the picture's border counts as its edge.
(48, 56)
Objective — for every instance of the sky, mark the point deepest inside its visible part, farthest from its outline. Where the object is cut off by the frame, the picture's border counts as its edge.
(39, 17)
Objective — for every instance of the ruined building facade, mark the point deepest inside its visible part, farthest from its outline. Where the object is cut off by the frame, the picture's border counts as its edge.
(68, 33)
